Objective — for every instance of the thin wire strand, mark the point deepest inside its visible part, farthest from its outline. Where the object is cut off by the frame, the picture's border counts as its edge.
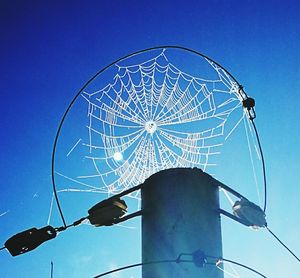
(2, 248)
(234, 270)
(227, 196)
(288, 249)
(227, 272)
(248, 124)
(263, 164)
(244, 266)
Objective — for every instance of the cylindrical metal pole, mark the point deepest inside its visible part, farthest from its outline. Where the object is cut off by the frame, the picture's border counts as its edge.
(180, 215)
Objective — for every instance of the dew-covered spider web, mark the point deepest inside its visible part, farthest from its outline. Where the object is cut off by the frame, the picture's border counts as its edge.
(144, 114)
(150, 111)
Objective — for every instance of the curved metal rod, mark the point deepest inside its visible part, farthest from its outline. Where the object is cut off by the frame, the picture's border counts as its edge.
(241, 92)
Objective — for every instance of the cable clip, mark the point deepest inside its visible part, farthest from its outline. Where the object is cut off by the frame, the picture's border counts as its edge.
(28, 240)
(249, 104)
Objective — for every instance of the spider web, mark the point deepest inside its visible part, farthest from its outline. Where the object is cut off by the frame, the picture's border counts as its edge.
(153, 116)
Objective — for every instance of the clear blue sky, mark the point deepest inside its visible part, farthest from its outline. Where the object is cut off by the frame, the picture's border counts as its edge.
(50, 49)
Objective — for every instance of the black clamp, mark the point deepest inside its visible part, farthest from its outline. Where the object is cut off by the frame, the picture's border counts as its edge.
(248, 103)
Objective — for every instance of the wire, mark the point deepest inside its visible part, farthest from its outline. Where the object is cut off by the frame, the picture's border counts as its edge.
(179, 261)
(195, 259)
(244, 266)
(249, 104)
(263, 164)
(135, 265)
(147, 263)
(276, 237)
(57, 202)
(76, 223)
(2, 248)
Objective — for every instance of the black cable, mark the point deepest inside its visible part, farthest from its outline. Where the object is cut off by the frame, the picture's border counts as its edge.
(140, 264)
(195, 258)
(135, 265)
(76, 223)
(59, 208)
(290, 251)
(179, 261)
(2, 248)
(263, 164)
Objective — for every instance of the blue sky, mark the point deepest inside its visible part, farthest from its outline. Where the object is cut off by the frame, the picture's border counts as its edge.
(49, 50)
